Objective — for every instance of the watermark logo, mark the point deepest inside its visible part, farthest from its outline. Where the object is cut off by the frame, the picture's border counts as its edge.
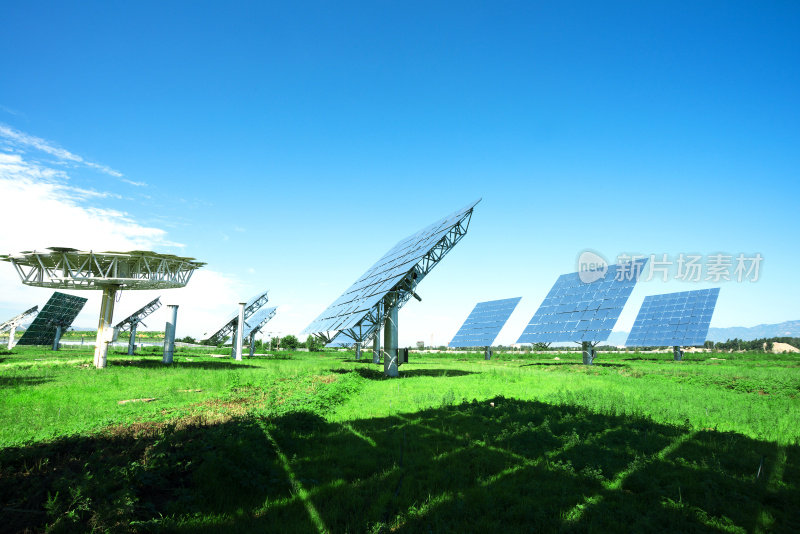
(714, 268)
(591, 267)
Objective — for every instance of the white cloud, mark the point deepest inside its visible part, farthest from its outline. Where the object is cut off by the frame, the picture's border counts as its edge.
(135, 184)
(21, 138)
(41, 209)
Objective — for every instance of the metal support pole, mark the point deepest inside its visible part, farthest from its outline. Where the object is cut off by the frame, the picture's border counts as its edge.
(358, 351)
(11, 334)
(132, 340)
(57, 339)
(169, 333)
(104, 328)
(239, 333)
(376, 347)
(252, 343)
(588, 353)
(488, 354)
(677, 353)
(390, 340)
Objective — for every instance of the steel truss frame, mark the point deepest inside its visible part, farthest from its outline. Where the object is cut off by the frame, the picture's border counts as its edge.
(64, 268)
(229, 328)
(137, 316)
(14, 322)
(405, 288)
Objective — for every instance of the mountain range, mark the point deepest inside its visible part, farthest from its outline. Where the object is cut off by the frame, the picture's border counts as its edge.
(784, 329)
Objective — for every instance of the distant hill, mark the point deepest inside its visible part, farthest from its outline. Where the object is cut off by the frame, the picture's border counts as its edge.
(785, 329)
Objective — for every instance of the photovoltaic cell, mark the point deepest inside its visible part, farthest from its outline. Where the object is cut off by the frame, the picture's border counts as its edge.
(60, 310)
(484, 323)
(257, 321)
(577, 311)
(357, 301)
(672, 319)
(341, 340)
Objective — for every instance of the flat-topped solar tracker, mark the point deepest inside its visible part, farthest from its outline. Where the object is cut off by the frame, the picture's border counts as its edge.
(361, 308)
(674, 319)
(484, 323)
(111, 272)
(57, 315)
(579, 312)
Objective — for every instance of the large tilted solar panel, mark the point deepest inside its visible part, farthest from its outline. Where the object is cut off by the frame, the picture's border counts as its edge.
(257, 321)
(248, 307)
(671, 319)
(577, 311)
(60, 310)
(229, 327)
(356, 302)
(484, 323)
(342, 340)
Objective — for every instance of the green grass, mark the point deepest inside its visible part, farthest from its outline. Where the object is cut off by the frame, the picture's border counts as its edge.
(299, 442)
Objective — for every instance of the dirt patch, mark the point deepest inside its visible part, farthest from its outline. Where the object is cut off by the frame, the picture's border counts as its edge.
(325, 379)
(137, 400)
(189, 390)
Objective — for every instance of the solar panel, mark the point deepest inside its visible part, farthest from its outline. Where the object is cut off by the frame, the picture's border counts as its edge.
(14, 321)
(229, 328)
(139, 314)
(484, 323)
(674, 319)
(577, 311)
(342, 340)
(257, 321)
(359, 311)
(60, 310)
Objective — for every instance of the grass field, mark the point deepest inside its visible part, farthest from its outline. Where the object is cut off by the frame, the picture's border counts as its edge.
(319, 442)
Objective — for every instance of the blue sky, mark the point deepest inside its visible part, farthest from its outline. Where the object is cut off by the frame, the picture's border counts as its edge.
(291, 145)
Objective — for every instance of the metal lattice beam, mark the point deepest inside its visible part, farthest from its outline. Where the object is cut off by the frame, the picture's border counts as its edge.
(14, 322)
(229, 328)
(137, 316)
(64, 268)
(405, 288)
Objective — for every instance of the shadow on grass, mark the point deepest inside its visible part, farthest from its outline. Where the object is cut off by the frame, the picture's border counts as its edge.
(517, 466)
(377, 374)
(576, 364)
(158, 364)
(19, 381)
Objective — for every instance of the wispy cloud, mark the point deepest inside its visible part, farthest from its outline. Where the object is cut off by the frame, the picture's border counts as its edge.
(136, 184)
(10, 111)
(54, 211)
(21, 138)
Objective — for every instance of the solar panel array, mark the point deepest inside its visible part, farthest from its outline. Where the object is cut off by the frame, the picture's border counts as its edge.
(229, 328)
(672, 319)
(60, 310)
(484, 323)
(357, 301)
(257, 321)
(577, 311)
